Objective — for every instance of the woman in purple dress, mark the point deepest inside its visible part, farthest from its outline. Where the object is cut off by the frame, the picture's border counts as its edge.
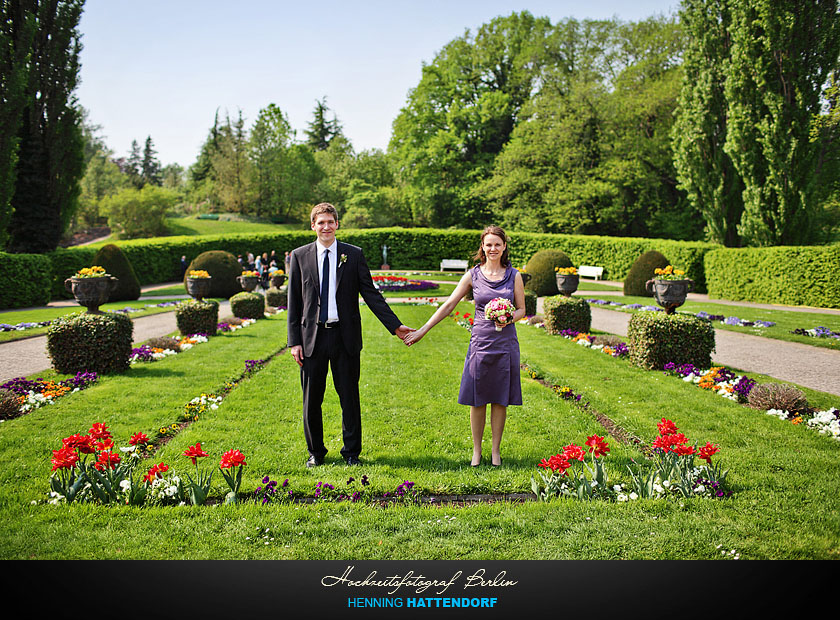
(491, 370)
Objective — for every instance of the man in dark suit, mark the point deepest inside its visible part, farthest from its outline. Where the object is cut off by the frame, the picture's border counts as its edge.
(326, 278)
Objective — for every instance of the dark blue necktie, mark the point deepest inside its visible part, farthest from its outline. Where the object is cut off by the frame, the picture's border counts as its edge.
(325, 289)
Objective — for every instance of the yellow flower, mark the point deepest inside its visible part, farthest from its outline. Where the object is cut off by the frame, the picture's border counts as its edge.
(199, 273)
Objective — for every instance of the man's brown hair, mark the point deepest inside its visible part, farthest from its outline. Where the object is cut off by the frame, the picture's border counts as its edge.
(323, 207)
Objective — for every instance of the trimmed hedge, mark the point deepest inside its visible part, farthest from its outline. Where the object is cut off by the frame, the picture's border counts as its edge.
(656, 338)
(246, 305)
(530, 303)
(158, 260)
(111, 258)
(276, 297)
(793, 275)
(561, 312)
(25, 280)
(84, 342)
(643, 270)
(197, 317)
(541, 267)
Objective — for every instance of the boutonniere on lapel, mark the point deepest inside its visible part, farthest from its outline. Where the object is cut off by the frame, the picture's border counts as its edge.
(341, 260)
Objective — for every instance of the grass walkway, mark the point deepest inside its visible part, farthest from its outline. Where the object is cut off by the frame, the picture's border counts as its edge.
(785, 505)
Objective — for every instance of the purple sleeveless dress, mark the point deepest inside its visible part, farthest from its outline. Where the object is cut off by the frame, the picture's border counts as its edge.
(491, 370)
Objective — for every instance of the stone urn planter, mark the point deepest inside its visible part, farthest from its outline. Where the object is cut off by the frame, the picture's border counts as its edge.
(277, 280)
(567, 283)
(670, 294)
(199, 288)
(248, 283)
(91, 292)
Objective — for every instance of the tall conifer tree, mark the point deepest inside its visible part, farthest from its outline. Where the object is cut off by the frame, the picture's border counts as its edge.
(51, 155)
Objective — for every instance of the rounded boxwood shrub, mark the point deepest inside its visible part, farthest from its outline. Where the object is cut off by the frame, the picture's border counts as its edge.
(276, 297)
(530, 303)
(248, 305)
(114, 261)
(561, 312)
(643, 270)
(197, 317)
(541, 267)
(98, 343)
(656, 338)
(222, 267)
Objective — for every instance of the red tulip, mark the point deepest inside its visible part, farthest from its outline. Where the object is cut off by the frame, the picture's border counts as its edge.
(65, 458)
(232, 458)
(597, 445)
(195, 452)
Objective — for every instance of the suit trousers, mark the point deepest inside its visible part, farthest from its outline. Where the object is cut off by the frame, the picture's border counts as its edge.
(330, 353)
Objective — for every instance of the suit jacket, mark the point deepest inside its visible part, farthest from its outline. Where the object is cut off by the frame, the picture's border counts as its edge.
(352, 279)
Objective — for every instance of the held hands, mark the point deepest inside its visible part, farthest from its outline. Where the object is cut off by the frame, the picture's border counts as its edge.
(413, 337)
(402, 332)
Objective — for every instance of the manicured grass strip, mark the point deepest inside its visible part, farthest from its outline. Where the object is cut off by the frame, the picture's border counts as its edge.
(413, 428)
(38, 315)
(785, 507)
(777, 469)
(785, 320)
(144, 398)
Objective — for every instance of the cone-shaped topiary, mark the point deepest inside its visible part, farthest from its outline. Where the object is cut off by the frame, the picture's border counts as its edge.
(541, 268)
(643, 270)
(222, 267)
(115, 263)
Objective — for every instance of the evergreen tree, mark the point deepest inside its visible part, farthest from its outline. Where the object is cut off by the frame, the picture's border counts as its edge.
(51, 160)
(134, 166)
(320, 131)
(150, 166)
(705, 170)
(782, 54)
(231, 166)
(17, 30)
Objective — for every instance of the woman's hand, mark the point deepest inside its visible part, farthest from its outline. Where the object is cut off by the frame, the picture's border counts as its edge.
(414, 336)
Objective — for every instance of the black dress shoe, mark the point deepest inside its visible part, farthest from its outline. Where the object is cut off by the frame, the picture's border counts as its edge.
(353, 460)
(314, 461)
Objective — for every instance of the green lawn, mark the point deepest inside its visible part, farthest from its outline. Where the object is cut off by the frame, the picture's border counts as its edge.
(37, 315)
(784, 476)
(785, 320)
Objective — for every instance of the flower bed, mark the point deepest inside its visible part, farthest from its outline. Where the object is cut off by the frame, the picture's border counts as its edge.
(673, 473)
(816, 332)
(728, 384)
(400, 283)
(35, 393)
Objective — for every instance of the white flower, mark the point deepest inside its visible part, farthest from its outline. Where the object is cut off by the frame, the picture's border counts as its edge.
(634, 496)
(125, 485)
(622, 497)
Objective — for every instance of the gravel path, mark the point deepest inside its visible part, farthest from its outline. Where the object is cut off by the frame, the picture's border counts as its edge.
(21, 358)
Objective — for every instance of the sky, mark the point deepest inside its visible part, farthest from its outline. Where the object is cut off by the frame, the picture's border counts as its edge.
(163, 68)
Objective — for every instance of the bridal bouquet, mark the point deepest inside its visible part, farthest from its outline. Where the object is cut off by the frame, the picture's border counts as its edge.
(499, 310)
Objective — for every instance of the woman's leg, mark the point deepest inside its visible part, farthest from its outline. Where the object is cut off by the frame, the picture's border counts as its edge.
(498, 414)
(478, 419)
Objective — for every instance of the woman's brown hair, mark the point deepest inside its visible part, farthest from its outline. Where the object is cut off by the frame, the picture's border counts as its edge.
(481, 257)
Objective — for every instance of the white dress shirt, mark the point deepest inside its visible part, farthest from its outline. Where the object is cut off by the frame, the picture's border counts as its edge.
(332, 308)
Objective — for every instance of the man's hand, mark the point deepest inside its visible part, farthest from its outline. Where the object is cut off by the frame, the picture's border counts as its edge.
(403, 331)
(297, 353)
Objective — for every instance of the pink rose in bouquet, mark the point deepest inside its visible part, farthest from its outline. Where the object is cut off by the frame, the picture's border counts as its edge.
(499, 310)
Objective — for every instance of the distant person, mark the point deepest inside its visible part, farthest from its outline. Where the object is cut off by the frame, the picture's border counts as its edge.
(288, 262)
(250, 262)
(241, 261)
(184, 265)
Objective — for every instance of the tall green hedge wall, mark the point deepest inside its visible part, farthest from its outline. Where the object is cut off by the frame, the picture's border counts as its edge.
(158, 260)
(795, 275)
(25, 280)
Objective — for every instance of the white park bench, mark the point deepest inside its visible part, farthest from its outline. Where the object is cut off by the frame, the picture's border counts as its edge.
(451, 263)
(588, 271)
